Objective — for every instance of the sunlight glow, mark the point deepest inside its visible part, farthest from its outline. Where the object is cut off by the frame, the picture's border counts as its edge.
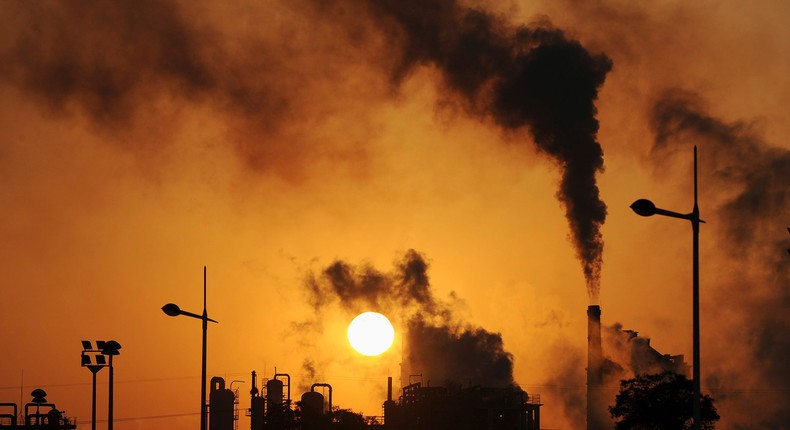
(370, 333)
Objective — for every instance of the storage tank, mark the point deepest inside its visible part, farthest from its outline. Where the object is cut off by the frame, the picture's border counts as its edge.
(257, 409)
(221, 404)
(313, 402)
(274, 394)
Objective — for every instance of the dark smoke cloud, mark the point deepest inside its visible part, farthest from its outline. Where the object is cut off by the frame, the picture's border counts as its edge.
(118, 62)
(519, 77)
(748, 179)
(437, 345)
(133, 69)
(468, 355)
(102, 57)
(359, 288)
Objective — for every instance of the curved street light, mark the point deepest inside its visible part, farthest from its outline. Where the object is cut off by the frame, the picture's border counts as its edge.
(173, 310)
(644, 207)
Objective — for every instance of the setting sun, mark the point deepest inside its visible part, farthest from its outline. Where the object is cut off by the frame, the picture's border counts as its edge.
(370, 333)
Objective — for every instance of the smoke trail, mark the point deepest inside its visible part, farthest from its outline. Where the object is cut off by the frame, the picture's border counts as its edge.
(481, 358)
(115, 63)
(358, 288)
(519, 77)
(437, 345)
(105, 57)
(567, 371)
(308, 375)
(134, 70)
(750, 178)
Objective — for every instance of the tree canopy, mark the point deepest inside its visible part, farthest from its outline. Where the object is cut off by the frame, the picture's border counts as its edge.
(659, 402)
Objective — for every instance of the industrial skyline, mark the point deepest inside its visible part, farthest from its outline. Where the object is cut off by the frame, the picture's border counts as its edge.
(299, 148)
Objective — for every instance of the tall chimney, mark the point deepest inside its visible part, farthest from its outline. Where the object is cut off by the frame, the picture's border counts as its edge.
(594, 370)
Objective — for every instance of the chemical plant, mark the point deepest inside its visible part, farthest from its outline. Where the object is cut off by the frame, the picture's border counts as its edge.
(417, 407)
(38, 414)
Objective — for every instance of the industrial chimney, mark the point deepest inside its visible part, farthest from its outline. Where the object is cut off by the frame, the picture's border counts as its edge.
(596, 403)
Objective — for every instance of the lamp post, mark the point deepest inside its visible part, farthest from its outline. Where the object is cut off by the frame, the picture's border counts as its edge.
(110, 349)
(646, 208)
(173, 310)
(103, 348)
(87, 361)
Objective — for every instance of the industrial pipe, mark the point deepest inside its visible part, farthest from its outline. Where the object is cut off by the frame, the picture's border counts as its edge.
(320, 384)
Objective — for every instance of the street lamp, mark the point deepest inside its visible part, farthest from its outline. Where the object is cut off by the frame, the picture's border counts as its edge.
(646, 208)
(173, 310)
(103, 348)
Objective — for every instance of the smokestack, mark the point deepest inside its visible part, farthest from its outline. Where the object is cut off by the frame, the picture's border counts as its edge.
(594, 351)
(594, 368)
(389, 388)
(597, 412)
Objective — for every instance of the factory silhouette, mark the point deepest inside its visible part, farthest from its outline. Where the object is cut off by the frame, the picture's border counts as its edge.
(416, 405)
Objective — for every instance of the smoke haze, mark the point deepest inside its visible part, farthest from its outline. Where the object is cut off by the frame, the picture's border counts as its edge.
(140, 141)
(519, 77)
(438, 345)
(750, 179)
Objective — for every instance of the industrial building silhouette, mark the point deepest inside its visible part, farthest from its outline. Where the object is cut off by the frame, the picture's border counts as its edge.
(38, 414)
(417, 407)
(603, 374)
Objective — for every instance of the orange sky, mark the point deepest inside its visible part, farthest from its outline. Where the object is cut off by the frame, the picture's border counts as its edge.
(292, 149)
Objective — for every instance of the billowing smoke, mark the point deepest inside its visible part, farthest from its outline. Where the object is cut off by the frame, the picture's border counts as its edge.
(745, 180)
(437, 345)
(118, 64)
(566, 374)
(519, 77)
(481, 357)
(86, 69)
(135, 71)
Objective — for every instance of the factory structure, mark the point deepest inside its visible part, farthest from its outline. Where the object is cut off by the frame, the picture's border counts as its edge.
(38, 414)
(603, 374)
(416, 407)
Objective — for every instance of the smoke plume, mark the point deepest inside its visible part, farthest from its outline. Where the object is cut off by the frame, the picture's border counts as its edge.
(138, 57)
(751, 197)
(437, 345)
(518, 77)
(135, 71)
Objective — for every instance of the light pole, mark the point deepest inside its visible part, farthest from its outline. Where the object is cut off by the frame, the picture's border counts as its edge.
(173, 310)
(645, 207)
(101, 362)
(111, 348)
(108, 348)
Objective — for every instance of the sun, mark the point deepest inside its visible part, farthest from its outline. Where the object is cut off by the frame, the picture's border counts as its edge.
(370, 333)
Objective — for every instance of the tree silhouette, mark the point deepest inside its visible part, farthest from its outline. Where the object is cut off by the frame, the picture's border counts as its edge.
(659, 402)
(347, 420)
